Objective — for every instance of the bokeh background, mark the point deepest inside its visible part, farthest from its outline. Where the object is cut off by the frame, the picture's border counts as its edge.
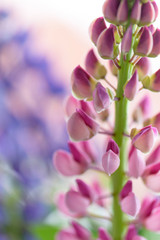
(41, 41)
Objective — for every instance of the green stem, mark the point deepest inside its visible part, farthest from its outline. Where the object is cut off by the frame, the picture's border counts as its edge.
(118, 177)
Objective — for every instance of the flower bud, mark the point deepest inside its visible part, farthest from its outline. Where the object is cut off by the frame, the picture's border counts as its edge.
(156, 44)
(128, 201)
(81, 232)
(110, 160)
(113, 68)
(155, 9)
(82, 84)
(136, 12)
(143, 67)
(152, 83)
(101, 98)
(144, 44)
(151, 28)
(122, 13)
(136, 163)
(94, 67)
(144, 138)
(103, 235)
(96, 28)
(106, 45)
(110, 9)
(147, 14)
(127, 41)
(132, 86)
(81, 127)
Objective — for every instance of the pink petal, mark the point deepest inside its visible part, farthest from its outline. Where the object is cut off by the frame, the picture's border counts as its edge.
(153, 182)
(110, 162)
(65, 164)
(61, 203)
(104, 235)
(81, 232)
(130, 204)
(76, 203)
(152, 223)
(84, 189)
(66, 235)
(136, 164)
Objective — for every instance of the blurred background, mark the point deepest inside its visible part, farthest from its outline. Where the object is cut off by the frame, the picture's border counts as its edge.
(41, 41)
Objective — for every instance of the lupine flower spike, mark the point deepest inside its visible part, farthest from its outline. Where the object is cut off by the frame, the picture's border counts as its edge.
(128, 43)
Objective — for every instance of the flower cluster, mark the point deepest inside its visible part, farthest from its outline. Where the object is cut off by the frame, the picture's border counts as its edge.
(127, 43)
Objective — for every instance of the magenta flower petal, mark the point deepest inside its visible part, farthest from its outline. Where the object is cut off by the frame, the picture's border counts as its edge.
(127, 188)
(131, 232)
(101, 99)
(84, 189)
(78, 154)
(130, 204)
(154, 157)
(96, 28)
(76, 203)
(81, 232)
(103, 235)
(66, 165)
(112, 145)
(93, 66)
(152, 182)
(143, 67)
(132, 87)
(61, 203)
(110, 162)
(66, 235)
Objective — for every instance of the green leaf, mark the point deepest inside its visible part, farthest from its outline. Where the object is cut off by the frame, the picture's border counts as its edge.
(149, 235)
(44, 231)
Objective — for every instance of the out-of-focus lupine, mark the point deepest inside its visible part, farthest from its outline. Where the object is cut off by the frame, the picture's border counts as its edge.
(127, 43)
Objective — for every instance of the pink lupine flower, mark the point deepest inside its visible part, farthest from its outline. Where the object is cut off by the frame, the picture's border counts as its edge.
(61, 204)
(72, 104)
(132, 234)
(122, 13)
(128, 201)
(154, 157)
(152, 83)
(76, 232)
(104, 235)
(156, 44)
(81, 127)
(144, 45)
(93, 66)
(98, 192)
(151, 176)
(147, 14)
(112, 68)
(127, 41)
(136, 12)
(143, 67)
(132, 86)
(136, 165)
(144, 138)
(76, 202)
(101, 98)
(149, 215)
(110, 160)
(66, 164)
(110, 9)
(96, 28)
(82, 84)
(143, 109)
(76, 162)
(106, 45)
